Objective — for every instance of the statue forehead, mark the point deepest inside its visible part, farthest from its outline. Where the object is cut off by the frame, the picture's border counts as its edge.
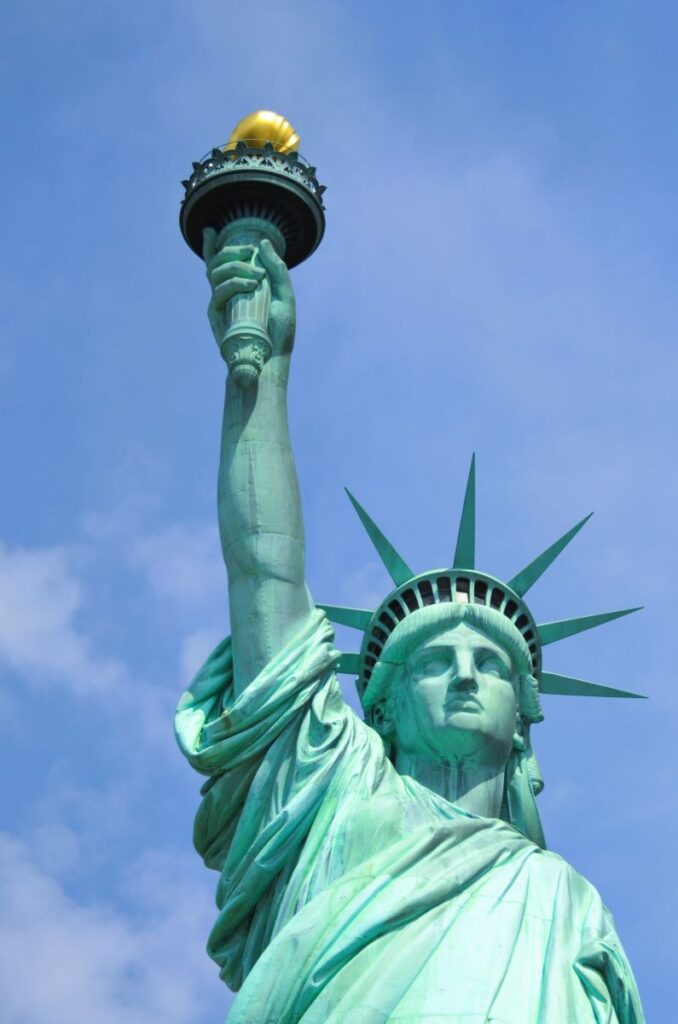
(459, 634)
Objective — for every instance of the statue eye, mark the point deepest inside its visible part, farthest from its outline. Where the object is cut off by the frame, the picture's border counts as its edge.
(434, 664)
(493, 665)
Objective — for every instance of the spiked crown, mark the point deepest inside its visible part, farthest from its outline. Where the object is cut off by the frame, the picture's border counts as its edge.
(462, 583)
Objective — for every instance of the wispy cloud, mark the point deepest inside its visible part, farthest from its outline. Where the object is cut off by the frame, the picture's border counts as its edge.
(41, 599)
(82, 961)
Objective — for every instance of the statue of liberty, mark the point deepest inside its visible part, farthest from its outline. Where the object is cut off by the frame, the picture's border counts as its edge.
(391, 870)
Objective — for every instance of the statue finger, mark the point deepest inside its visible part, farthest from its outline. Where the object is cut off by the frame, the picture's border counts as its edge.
(231, 254)
(226, 271)
(223, 292)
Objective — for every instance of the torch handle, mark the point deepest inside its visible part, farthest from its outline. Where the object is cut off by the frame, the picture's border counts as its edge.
(246, 345)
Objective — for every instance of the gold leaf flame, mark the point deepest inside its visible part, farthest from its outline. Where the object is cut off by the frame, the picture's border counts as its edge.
(265, 126)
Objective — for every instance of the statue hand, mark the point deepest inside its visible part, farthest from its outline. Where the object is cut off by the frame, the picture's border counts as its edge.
(238, 269)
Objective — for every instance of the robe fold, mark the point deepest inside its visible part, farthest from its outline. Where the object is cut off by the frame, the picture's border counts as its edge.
(349, 894)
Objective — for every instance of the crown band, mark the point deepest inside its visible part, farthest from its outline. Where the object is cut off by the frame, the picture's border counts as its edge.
(442, 586)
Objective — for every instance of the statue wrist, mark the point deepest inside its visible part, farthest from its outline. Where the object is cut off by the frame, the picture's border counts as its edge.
(271, 385)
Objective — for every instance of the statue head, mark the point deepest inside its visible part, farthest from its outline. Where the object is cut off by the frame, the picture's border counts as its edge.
(451, 663)
(456, 687)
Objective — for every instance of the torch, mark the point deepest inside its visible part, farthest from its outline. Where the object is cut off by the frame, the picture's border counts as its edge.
(253, 187)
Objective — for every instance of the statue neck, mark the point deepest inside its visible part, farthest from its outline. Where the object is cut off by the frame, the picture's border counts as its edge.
(476, 788)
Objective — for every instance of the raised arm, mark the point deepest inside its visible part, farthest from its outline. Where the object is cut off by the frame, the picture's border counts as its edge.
(260, 519)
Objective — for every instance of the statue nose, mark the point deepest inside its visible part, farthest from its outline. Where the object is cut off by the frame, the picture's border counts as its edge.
(465, 681)
(464, 677)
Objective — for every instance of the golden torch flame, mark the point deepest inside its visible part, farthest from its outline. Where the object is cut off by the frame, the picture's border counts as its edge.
(265, 126)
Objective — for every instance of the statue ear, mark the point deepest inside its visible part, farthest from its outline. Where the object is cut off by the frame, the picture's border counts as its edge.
(381, 717)
(528, 699)
(528, 710)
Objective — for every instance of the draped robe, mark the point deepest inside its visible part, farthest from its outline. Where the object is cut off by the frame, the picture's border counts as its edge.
(349, 894)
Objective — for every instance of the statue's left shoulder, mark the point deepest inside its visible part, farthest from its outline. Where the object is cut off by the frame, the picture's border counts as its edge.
(560, 884)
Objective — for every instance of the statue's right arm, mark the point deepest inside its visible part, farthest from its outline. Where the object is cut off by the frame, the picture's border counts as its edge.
(260, 518)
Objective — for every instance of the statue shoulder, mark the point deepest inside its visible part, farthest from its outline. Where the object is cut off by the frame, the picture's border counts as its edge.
(557, 879)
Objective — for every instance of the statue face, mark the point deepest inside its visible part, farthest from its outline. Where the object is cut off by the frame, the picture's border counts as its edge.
(456, 701)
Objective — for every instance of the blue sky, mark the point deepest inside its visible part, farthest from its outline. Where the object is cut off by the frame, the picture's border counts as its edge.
(498, 275)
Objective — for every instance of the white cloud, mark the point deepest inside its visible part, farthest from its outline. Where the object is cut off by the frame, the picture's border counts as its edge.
(46, 607)
(64, 960)
(41, 597)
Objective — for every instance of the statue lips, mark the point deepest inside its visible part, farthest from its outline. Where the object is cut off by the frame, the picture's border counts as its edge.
(463, 702)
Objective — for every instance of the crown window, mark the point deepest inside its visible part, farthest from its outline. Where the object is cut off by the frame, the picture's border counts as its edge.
(397, 610)
(387, 621)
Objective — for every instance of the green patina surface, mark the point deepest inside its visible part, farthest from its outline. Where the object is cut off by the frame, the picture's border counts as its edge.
(391, 869)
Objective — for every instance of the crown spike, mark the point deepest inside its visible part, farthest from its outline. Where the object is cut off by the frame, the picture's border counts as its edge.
(349, 664)
(528, 576)
(465, 551)
(551, 632)
(566, 686)
(357, 618)
(398, 570)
